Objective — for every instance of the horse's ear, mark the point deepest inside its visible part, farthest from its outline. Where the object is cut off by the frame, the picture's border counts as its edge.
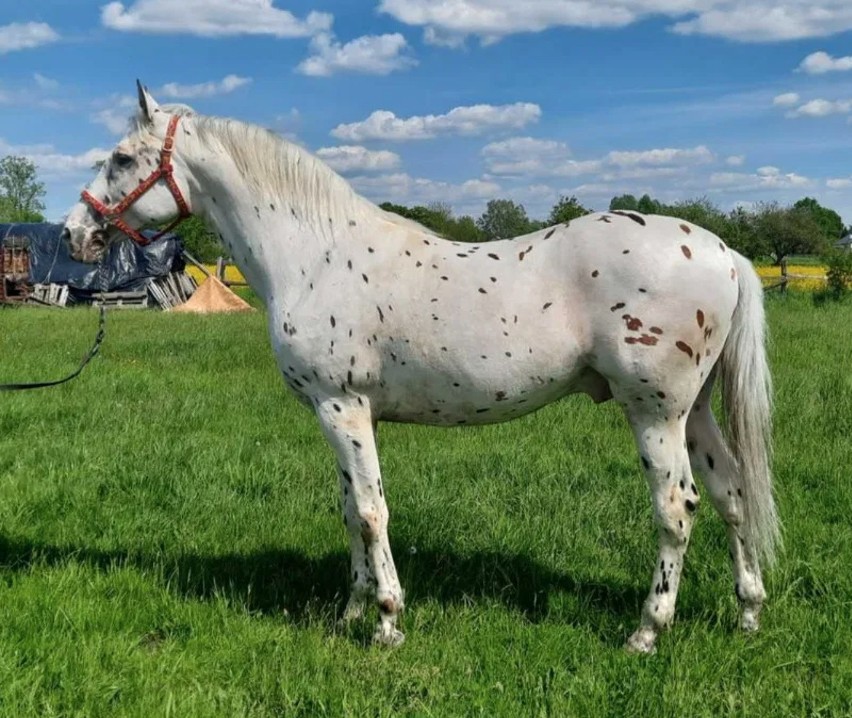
(147, 104)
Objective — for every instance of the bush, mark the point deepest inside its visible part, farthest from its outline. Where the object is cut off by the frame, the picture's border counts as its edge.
(839, 272)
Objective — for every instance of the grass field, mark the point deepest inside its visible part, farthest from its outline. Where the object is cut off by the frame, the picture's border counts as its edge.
(170, 544)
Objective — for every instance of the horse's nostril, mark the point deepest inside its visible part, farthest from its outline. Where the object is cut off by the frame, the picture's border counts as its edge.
(66, 235)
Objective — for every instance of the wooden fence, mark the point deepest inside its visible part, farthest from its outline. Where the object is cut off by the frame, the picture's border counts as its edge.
(787, 277)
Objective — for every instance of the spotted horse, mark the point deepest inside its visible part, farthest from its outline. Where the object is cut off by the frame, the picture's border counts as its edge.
(374, 318)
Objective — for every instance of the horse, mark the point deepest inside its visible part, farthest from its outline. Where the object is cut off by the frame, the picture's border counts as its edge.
(372, 317)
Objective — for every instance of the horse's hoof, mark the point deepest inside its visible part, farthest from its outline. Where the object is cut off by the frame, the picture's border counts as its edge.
(388, 638)
(749, 621)
(642, 642)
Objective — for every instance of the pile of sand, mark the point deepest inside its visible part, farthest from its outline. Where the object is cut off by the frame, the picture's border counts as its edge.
(213, 297)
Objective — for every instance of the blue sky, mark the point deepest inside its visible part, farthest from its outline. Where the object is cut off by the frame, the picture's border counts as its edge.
(459, 101)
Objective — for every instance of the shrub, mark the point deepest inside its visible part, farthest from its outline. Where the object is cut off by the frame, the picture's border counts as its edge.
(839, 272)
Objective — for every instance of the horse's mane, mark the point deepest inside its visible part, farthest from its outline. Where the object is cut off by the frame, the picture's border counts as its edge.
(276, 168)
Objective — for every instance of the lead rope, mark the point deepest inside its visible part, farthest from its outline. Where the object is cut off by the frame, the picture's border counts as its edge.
(91, 354)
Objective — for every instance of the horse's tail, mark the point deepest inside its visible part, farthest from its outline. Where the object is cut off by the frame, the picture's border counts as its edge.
(747, 399)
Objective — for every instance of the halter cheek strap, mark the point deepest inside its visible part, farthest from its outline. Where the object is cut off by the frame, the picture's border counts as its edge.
(165, 171)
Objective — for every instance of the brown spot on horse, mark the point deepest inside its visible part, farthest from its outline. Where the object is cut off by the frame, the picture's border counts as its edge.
(645, 339)
(685, 348)
(633, 323)
(699, 317)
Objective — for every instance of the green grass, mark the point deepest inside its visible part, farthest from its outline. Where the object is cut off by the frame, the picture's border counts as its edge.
(170, 544)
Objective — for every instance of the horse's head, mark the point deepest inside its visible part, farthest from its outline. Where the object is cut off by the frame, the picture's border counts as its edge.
(141, 184)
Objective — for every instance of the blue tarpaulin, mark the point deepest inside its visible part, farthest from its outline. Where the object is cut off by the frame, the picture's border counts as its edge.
(128, 266)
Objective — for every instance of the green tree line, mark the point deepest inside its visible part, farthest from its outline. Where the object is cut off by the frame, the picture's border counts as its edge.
(768, 230)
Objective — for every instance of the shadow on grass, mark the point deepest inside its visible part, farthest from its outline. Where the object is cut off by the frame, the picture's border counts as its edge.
(272, 582)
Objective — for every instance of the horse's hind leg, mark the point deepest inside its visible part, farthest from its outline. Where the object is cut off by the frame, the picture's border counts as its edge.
(660, 440)
(710, 456)
(348, 427)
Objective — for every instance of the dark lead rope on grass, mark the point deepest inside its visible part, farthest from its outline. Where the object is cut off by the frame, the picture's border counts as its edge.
(91, 354)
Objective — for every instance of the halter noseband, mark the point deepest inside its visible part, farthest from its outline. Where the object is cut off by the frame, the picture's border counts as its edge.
(165, 171)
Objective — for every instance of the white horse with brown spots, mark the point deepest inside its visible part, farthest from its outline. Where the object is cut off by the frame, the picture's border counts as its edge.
(374, 318)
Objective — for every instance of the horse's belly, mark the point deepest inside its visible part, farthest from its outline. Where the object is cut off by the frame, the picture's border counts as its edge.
(472, 400)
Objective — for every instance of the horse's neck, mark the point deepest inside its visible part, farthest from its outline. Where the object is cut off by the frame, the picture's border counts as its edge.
(277, 243)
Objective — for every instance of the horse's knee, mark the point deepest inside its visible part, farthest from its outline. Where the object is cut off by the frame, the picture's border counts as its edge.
(369, 526)
(676, 508)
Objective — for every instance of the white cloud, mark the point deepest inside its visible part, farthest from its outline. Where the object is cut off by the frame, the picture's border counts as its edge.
(472, 120)
(822, 108)
(735, 160)
(840, 183)
(350, 158)
(45, 83)
(642, 173)
(116, 121)
(369, 55)
(743, 20)
(116, 116)
(212, 18)
(788, 99)
(493, 19)
(227, 84)
(527, 156)
(52, 164)
(764, 178)
(667, 156)
(25, 35)
(818, 63)
(435, 36)
(415, 190)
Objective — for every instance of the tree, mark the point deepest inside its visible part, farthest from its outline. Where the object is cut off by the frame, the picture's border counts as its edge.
(741, 232)
(701, 212)
(464, 229)
(646, 205)
(782, 231)
(829, 221)
(199, 241)
(624, 202)
(438, 217)
(20, 191)
(566, 209)
(503, 219)
(434, 219)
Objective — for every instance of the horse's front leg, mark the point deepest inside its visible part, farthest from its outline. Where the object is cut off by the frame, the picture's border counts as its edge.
(348, 426)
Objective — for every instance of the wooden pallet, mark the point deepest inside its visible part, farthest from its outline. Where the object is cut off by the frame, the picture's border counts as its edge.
(172, 290)
(121, 300)
(54, 295)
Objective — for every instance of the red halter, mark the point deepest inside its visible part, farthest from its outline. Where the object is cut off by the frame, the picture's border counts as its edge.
(165, 171)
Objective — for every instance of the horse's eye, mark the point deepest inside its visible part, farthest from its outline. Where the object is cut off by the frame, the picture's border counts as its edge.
(122, 160)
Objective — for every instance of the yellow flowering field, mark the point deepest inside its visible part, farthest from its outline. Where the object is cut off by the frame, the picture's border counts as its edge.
(806, 278)
(232, 273)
